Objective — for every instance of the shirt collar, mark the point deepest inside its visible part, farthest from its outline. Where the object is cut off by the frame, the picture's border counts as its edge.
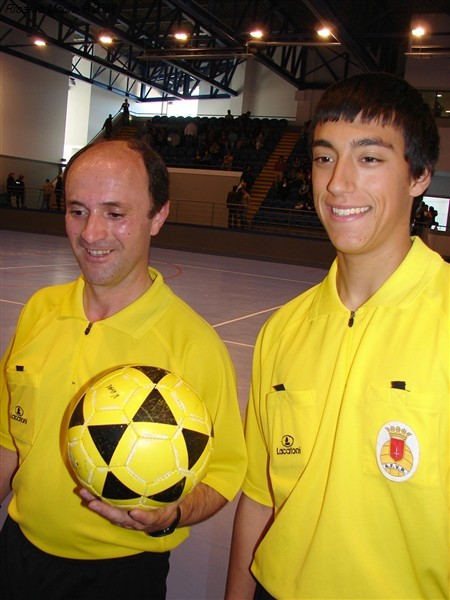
(135, 318)
(417, 268)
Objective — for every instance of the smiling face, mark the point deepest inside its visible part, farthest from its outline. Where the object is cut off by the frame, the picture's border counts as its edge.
(363, 190)
(107, 219)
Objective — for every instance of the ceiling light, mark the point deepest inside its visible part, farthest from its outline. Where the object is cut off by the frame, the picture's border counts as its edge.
(39, 42)
(256, 34)
(324, 32)
(418, 31)
(105, 38)
(181, 36)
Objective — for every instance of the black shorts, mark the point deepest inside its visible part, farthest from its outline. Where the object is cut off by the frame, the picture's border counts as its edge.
(26, 573)
(261, 593)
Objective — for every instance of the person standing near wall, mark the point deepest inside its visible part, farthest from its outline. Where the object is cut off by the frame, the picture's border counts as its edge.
(10, 187)
(47, 191)
(126, 112)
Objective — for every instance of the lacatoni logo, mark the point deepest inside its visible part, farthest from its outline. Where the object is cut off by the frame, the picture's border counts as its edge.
(18, 415)
(287, 446)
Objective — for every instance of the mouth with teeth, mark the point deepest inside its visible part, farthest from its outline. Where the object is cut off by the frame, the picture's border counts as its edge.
(346, 212)
(98, 252)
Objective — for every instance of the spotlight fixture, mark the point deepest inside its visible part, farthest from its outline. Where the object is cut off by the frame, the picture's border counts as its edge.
(105, 38)
(324, 32)
(418, 31)
(256, 34)
(181, 36)
(40, 42)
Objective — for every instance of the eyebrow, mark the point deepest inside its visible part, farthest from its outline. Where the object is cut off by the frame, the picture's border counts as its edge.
(359, 143)
(108, 203)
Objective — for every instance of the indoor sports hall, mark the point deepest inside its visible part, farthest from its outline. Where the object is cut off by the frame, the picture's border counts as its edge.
(234, 295)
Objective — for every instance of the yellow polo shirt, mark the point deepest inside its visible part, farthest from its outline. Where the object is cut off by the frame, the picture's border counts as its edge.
(351, 425)
(53, 358)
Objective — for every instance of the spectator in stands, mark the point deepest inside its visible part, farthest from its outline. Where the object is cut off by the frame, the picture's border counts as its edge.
(20, 191)
(433, 214)
(229, 117)
(421, 219)
(202, 156)
(245, 121)
(232, 138)
(10, 188)
(279, 169)
(260, 139)
(283, 190)
(47, 191)
(190, 133)
(215, 152)
(247, 177)
(304, 194)
(173, 139)
(148, 133)
(227, 162)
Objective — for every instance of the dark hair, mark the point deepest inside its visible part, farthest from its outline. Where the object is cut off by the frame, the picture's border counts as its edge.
(158, 176)
(389, 100)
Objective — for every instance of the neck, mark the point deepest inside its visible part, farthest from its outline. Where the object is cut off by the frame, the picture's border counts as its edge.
(100, 302)
(359, 278)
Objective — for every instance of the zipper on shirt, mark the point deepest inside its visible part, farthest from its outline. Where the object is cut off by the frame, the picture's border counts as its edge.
(88, 329)
(352, 318)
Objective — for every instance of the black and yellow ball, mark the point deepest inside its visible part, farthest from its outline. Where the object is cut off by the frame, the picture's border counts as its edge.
(140, 437)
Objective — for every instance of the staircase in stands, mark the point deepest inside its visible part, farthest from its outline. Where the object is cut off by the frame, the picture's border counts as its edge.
(265, 178)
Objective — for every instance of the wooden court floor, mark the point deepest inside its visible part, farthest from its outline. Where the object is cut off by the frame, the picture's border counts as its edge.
(236, 296)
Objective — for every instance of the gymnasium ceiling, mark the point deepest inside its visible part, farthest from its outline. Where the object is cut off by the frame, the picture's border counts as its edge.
(145, 57)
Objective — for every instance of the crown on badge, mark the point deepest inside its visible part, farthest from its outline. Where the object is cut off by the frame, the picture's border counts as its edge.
(397, 432)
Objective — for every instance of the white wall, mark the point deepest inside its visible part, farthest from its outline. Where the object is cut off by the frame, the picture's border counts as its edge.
(33, 109)
(77, 119)
(33, 103)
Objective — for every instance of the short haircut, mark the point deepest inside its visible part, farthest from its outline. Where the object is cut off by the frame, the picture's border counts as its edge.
(158, 176)
(389, 100)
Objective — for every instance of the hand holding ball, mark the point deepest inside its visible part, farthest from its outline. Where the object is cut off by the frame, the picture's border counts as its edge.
(140, 437)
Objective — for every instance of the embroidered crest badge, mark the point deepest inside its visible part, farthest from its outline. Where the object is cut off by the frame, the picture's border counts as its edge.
(398, 451)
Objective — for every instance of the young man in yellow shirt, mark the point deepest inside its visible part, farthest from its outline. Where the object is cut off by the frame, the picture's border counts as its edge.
(347, 427)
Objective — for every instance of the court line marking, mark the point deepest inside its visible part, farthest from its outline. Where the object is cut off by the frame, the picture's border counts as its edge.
(252, 274)
(231, 342)
(12, 302)
(71, 264)
(249, 316)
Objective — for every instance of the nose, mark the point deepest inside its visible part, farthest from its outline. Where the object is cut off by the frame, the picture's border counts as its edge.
(341, 180)
(95, 229)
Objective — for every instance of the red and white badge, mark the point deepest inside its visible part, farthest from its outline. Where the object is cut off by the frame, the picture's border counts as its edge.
(398, 451)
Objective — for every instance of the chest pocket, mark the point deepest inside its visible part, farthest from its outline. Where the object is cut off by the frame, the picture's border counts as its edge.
(418, 415)
(23, 410)
(292, 425)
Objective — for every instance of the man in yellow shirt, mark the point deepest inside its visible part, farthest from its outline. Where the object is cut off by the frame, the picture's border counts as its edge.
(55, 544)
(346, 493)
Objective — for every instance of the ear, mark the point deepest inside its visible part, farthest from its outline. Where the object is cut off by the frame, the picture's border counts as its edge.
(419, 185)
(159, 219)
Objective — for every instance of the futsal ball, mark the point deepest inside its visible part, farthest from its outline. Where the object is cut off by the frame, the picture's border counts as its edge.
(140, 437)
